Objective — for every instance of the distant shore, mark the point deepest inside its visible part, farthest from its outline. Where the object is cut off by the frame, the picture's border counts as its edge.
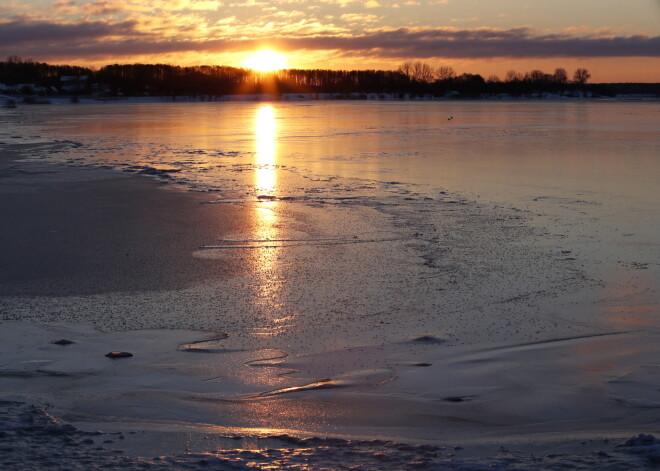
(409, 81)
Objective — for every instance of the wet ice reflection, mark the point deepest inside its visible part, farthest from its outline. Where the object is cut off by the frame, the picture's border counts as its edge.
(265, 133)
(266, 219)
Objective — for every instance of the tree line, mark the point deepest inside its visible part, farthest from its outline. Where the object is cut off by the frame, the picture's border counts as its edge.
(422, 72)
(409, 79)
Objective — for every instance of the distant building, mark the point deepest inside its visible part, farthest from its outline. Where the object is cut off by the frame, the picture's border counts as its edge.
(73, 83)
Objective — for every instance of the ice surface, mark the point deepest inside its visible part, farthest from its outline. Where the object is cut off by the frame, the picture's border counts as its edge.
(490, 282)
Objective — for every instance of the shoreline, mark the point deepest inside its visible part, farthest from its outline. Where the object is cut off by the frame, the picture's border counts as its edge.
(317, 97)
(175, 439)
(39, 441)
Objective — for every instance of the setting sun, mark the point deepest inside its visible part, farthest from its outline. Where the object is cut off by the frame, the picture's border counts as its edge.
(265, 61)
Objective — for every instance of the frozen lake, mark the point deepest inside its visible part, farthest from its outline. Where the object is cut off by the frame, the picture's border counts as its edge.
(482, 271)
(589, 170)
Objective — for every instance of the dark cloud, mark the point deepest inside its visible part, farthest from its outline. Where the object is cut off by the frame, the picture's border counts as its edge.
(87, 40)
(485, 43)
(21, 32)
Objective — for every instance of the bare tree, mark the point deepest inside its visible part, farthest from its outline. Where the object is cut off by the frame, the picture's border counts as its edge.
(535, 76)
(513, 76)
(581, 76)
(560, 76)
(445, 72)
(423, 72)
(406, 69)
(493, 79)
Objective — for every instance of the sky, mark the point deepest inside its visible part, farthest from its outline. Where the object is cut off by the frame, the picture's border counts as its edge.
(617, 40)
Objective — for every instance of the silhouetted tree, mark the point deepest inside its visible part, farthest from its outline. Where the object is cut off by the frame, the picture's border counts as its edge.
(423, 72)
(411, 79)
(406, 69)
(470, 83)
(536, 76)
(513, 76)
(16, 71)
(417, 71)
(445, 72)
(581, 76)
(560, 76)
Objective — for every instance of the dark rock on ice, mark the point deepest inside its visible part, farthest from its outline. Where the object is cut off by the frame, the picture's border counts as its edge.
(456, 398)
(119, 354)
(428, 339)
(63, 342)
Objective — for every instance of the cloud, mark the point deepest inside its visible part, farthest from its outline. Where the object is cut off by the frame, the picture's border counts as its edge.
(13, 33)
(361, 18)
(45, 40)
(204, 5)
(485, 43)
(464, 20)
(63, 4)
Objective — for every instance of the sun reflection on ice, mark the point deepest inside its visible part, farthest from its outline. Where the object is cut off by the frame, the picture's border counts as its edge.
(265, 132)
(266, 218)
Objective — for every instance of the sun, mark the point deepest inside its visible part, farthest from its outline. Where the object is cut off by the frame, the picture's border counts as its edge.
(265, 61)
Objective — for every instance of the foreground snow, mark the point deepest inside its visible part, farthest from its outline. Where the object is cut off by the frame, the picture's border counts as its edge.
(32, 439)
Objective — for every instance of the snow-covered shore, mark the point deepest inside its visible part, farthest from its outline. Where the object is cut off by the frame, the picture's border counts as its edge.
(32, 439)
(294, 97)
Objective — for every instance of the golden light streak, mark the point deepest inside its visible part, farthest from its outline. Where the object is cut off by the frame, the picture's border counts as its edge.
(266, 217)
(265, 134)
